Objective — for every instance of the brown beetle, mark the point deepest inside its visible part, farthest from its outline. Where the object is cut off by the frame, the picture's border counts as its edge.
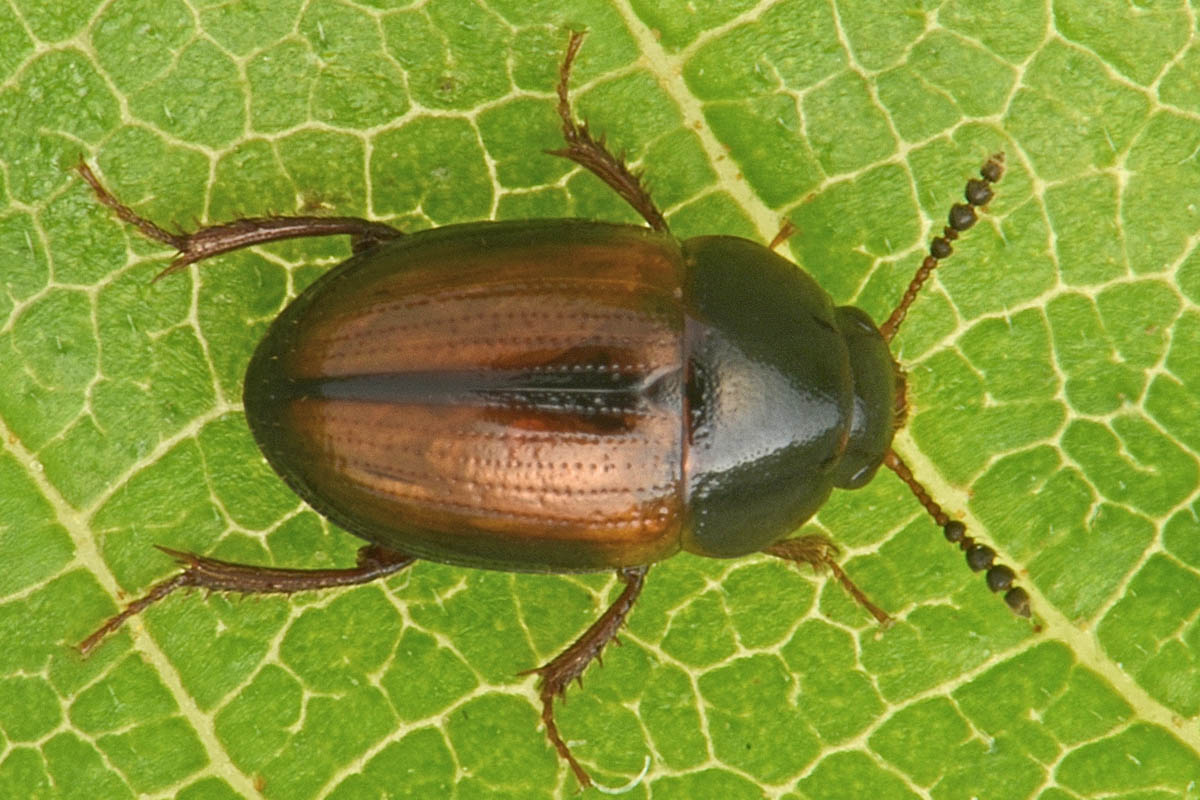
(565, 395)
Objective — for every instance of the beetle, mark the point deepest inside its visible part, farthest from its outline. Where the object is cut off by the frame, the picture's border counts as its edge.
(565, 396)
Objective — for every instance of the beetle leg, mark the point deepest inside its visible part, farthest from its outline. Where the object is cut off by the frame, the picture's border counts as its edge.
(593, 155)
(570, 664)
(227, 237)
(979, 556)
(819, 552)
(226, 576)
(786, 231)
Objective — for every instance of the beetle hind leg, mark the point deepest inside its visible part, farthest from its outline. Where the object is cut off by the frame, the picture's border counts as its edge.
(569, 665)
(225, 576)
(227, 237)
(821, 553)
(591, 153)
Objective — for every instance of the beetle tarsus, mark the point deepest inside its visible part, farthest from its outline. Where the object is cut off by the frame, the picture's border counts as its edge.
(213, 240)
(569, 665)
(821, 553)
(127, 214)
(786, 230)
(962, 217)
(979, 556)
(215, 575)
(156, 593)
(593, 155)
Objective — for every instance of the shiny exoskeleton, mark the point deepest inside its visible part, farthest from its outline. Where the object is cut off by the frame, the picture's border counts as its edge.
(565, 395)
(569, 395)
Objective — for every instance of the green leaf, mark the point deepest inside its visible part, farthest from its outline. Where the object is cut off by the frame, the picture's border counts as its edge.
(1053, 366)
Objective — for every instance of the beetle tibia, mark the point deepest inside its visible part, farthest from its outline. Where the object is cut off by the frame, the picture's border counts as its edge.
(569, 665)
(821, 553)
(591, 153)
(227, 237)
(225, 576)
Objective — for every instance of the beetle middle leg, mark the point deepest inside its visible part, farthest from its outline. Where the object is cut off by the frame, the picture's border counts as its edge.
(820, 553)
(226, 576)
(227, 237)
(593, 155)
(569, 665)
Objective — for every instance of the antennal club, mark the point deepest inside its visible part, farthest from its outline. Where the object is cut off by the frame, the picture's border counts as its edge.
(962, 217)
(1000, 577)
(979, 556)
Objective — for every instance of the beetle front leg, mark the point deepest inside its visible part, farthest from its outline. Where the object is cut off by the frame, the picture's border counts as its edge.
(226, 576)
(227, 237)
(570, 664)
(593, 155)
(821, 553)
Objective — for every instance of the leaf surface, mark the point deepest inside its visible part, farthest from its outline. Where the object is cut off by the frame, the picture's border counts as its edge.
(1054, 373)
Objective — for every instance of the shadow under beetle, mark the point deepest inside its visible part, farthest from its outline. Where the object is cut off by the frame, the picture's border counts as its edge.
(564, 396)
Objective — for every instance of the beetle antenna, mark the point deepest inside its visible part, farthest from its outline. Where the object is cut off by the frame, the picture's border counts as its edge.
(979, 556)
(962, 217)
